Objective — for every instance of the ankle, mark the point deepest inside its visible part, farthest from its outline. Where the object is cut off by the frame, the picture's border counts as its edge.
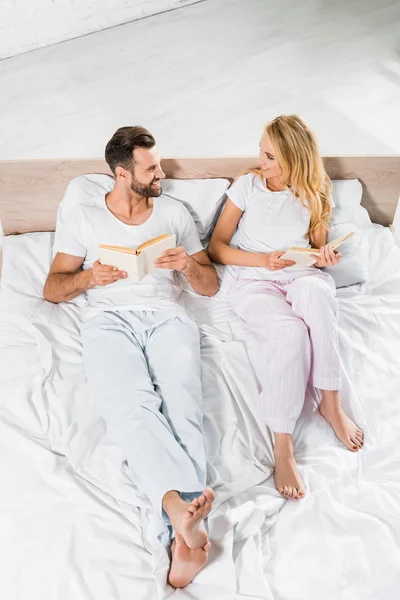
(330, 407)
(283, 445)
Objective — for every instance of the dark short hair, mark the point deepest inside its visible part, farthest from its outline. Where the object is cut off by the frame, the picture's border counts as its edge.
(119, 150)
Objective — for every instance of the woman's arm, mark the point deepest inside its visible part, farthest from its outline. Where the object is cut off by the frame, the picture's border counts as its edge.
(319, 237)
(220, 251)
(329, 257)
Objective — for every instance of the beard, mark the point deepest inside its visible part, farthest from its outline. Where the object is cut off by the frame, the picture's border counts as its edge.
(147, 191)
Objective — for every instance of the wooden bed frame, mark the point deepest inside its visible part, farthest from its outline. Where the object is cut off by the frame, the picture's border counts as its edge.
(31, 190)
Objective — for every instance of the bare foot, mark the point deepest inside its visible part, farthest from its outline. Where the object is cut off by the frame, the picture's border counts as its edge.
(287, 478)
(185, 562)
(187, 518)
(345, 429)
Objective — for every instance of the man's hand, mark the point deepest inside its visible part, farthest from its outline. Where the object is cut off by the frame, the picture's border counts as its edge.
(274, 263)
(176, 259)
(105, 274)
(328, 257)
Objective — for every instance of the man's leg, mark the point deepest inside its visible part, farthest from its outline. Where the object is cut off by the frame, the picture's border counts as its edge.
(173, 355)
(118, 376)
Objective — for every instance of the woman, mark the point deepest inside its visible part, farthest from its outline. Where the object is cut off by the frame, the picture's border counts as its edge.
(291, 310)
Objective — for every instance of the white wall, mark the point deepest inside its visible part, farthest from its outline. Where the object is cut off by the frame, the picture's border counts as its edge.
(30, 24)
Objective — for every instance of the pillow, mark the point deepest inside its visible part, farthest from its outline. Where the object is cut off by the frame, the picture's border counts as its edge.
(26, 263)
(202, 197)
(353, 266)
(347, 195)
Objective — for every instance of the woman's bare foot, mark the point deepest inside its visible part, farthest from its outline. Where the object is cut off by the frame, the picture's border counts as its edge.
(185, 562)
(187, 518)
(345, 429)
(287, 477)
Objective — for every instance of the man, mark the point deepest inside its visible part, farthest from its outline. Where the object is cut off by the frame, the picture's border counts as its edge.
(141, 352)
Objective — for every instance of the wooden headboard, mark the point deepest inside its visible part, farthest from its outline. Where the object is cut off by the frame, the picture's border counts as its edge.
(30, 190)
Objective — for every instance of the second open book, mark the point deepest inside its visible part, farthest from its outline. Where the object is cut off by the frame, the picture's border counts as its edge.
(137, 262)
(306, 257)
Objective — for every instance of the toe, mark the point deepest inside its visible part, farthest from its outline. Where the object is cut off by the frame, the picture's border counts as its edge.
(191, 508)
(207, 547)
(201, 500)
(295, 494)
(209, 494)
(354, 445)
(195, 502)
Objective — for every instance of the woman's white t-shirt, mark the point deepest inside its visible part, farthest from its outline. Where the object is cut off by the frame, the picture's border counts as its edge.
(89, 225)
(270, 221)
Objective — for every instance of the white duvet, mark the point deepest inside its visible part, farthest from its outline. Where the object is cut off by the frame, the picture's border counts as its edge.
(73, 526)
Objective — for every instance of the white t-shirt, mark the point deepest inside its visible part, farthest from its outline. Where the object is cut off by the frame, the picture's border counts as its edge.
(89, 225)
(270, 221)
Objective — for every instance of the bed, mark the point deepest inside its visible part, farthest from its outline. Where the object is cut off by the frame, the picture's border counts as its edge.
(72, 524)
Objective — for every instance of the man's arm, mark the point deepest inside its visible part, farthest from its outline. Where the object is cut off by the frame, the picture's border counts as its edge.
(66, 280)
(197, 269)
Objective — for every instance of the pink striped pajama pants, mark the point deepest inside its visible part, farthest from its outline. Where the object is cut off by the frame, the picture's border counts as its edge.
(295, 325)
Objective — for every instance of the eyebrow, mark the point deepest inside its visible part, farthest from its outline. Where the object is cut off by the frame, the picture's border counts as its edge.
(266, 152)
(259, 145)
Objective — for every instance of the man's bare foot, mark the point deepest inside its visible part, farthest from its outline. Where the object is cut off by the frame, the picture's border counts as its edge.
(187, 518)
(287, 477)
(185, 562)
(345, 429)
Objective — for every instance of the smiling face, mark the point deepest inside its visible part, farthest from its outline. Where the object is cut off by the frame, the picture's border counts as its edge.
(146, 173)
(268, 162)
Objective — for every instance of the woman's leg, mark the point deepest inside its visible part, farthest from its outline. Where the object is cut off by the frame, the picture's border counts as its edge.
(283, 367)
(345, 429)
(313, 299)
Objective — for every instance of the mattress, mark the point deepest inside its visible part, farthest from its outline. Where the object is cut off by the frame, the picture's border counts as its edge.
(74, 526)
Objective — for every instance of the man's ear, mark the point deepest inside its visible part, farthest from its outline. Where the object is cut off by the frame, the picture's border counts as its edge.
(120, 172)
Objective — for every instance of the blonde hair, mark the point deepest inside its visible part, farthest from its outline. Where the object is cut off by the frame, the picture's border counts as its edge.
(297, 152)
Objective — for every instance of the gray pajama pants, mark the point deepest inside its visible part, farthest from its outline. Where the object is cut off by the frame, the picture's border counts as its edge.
(144, 371)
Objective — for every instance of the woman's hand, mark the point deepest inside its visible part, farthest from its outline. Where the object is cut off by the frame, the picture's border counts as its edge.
(274, 263)
(328, 257)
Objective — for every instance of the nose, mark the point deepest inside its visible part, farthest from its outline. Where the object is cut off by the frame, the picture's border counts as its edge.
(160, 173)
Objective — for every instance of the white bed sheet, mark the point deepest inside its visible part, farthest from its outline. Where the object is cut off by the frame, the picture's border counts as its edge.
(73, 526)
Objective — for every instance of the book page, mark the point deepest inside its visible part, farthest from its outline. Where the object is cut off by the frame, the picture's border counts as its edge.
(334, 244)
(151, 242)
(121, 260)
(339, 241)
(301, 258)
(150, 253)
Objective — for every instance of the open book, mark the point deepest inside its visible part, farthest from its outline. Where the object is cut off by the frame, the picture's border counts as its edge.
(136, 262)
(306, 257)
